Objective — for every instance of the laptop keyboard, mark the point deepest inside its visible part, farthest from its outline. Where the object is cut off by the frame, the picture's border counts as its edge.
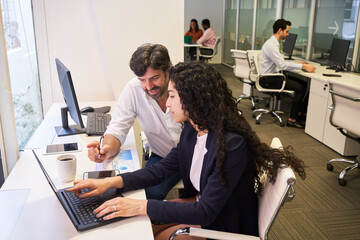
(97, 123)
(85, 206)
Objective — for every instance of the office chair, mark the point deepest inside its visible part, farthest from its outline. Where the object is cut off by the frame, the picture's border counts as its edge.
(146, 156)
(245, 71)
(208, 53)
(345, 109)
(272, 84)
(273, 197)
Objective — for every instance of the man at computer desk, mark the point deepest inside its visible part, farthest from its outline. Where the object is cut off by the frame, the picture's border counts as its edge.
(144, 97)
(271, 61)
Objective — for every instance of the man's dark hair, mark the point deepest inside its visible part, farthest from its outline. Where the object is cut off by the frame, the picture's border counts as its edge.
(206, 22)
(150, 55)
(280, 24)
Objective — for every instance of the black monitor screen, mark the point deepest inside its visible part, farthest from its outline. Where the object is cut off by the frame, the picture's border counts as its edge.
(289, 44)
(338, 52)
(68, 91)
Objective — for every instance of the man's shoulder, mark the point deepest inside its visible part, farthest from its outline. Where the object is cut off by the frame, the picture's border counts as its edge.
(134, 82)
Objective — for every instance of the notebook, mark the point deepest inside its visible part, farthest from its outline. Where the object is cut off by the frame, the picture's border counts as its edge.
(188, 39)
(80, 210)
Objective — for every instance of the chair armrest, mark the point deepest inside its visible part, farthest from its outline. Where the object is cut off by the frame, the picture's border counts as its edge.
(203, 47)
(204, 233)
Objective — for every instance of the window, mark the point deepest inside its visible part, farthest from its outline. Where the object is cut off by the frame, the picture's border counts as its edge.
(23, 69)
(266, 14)
(298, 13)
(334, 19)
(229, 31)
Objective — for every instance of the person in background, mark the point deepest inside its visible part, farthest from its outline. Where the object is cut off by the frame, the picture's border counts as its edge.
(209, 37)
(144, 97)
(271, 61)
(196, 33)
(221, 160)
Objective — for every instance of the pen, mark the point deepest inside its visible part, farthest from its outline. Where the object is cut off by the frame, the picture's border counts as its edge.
(101, 141)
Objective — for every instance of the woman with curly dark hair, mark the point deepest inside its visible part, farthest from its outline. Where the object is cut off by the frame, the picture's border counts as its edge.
(219, 157)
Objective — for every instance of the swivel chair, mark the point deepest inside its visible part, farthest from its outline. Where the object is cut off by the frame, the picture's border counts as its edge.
(273, 197)
(345, 109)
(272, 84)
(208, 53)
(245, 71)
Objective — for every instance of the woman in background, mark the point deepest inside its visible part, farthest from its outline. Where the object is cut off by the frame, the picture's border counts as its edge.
(194, 31)
(219, 157)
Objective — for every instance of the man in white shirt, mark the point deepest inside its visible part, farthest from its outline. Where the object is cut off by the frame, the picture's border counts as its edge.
(271, 61)
(144, 97)
(208, 39)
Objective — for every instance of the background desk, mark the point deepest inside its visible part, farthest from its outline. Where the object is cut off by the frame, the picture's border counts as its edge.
(42, 216)
(317, 119)
(318, 113)
(188, 45)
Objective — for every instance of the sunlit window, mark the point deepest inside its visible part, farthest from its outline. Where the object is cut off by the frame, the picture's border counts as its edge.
(23, 68)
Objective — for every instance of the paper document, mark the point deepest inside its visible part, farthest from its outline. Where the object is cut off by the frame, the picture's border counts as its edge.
(123, 162)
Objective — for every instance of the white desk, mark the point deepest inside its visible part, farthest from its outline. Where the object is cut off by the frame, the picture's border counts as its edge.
(43, 217)
(188, 45)
(317, 119)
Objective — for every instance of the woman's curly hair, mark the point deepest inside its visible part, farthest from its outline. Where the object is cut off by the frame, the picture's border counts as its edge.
(210, 105)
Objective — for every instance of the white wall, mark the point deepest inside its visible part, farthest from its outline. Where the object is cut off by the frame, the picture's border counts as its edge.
(210, 9)
(95, 40)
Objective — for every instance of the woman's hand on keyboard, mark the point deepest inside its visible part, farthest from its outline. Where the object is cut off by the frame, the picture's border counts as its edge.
(95, 186)
(121, 207)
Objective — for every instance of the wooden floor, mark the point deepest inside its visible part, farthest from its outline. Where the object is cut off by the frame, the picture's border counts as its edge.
(322, 209)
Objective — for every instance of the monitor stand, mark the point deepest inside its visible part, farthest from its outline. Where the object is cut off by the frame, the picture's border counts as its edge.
(289, 58)
(65, 129)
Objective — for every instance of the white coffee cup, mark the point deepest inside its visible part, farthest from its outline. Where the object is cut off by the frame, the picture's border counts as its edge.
(66, 165)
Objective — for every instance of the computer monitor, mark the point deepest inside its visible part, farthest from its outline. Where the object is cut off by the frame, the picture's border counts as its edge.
(338, 53)
(68, 91)
(289, 45)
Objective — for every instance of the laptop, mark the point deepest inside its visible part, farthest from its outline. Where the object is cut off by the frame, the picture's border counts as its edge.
(80, 210)
(188, 39)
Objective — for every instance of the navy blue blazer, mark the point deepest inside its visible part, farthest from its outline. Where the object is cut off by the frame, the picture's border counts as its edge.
(233, 209)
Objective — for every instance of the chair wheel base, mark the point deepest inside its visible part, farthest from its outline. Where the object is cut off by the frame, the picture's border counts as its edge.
(257, 121)
(282, 124)
(329, 167)
(342, 182)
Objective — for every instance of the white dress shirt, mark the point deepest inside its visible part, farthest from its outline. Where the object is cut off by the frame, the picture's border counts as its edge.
(208, 39)
(161, 130)
(271, 60)
(197, 161)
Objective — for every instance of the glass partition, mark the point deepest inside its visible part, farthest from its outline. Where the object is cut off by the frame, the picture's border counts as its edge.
(334, 19)
(298, 12)
(229, 31)
(246, 13)
(266, 14)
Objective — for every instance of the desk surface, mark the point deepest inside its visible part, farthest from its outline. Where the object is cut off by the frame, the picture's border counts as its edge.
(42, 216)
(349, 78)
